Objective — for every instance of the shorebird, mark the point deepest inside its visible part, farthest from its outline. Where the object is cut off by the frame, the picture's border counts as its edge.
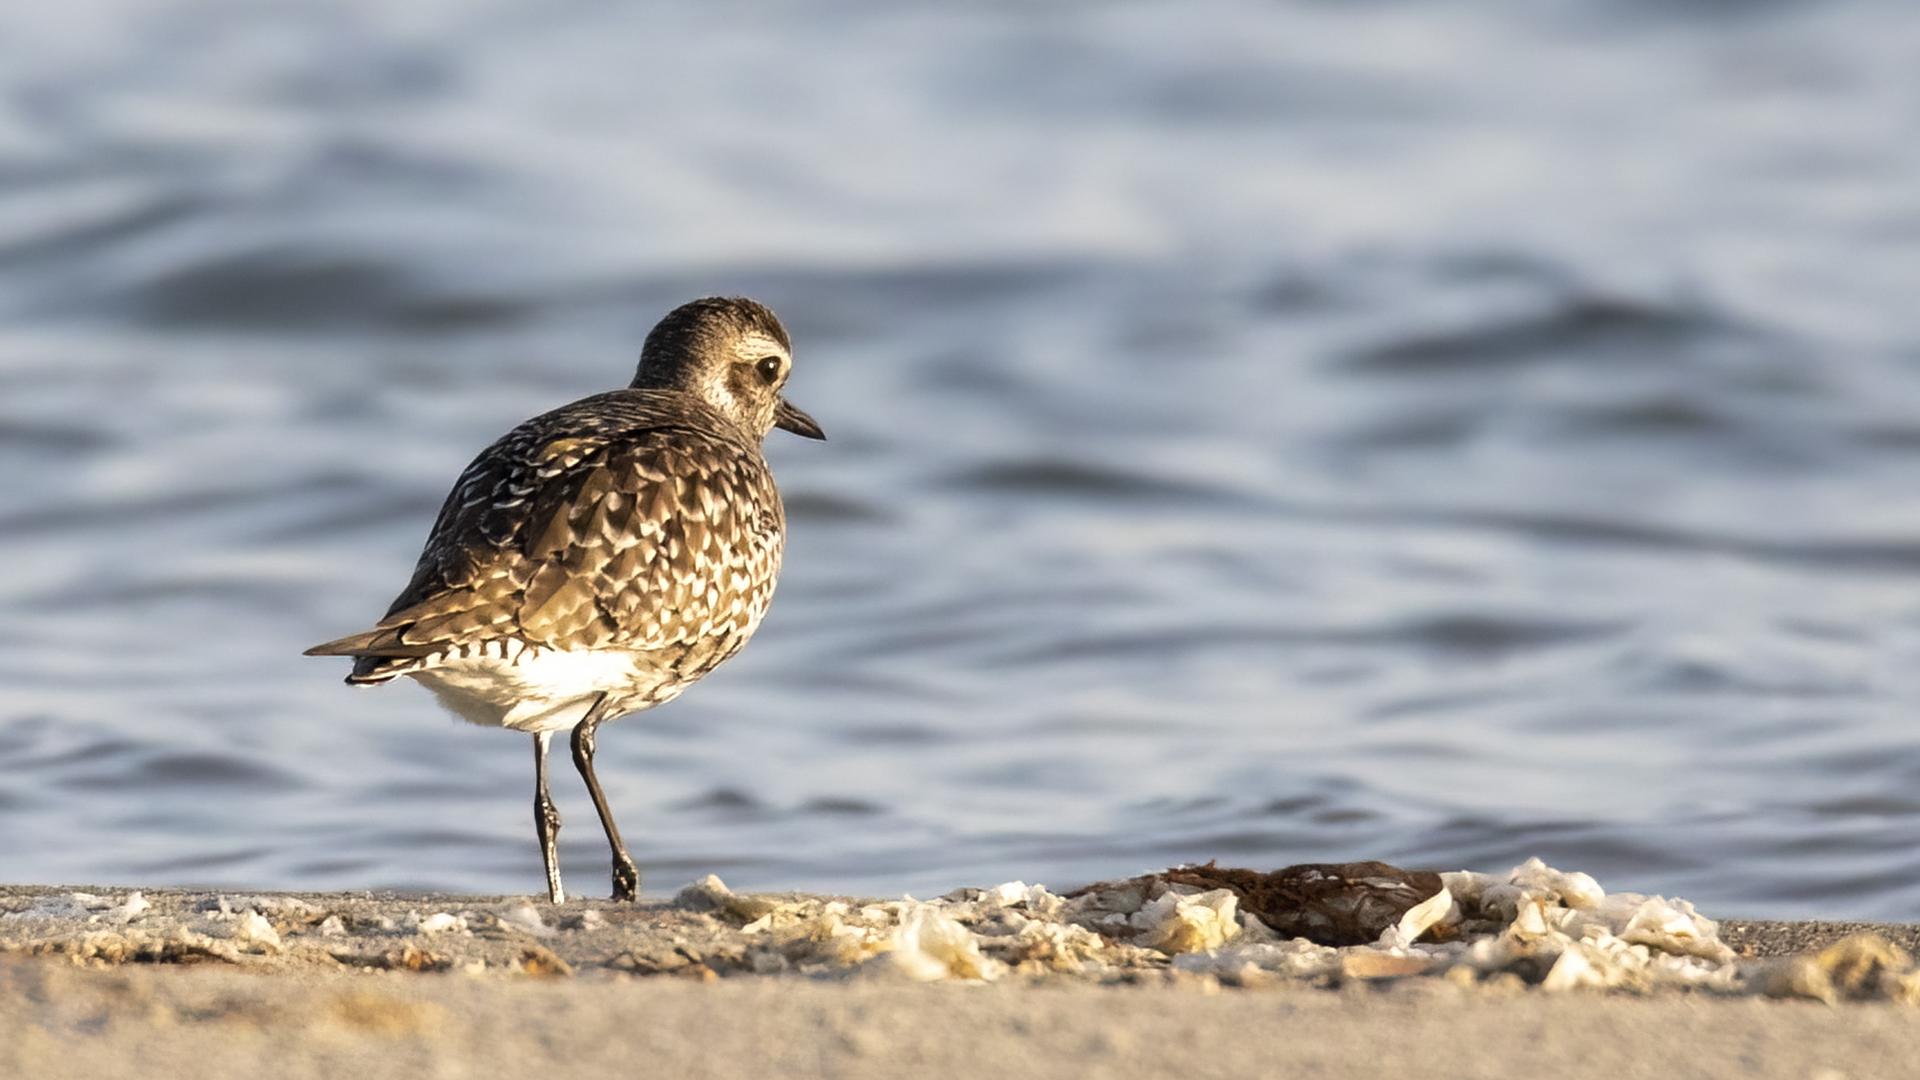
(600, 558)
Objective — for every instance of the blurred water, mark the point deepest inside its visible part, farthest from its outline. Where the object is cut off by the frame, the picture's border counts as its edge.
(1275, 431)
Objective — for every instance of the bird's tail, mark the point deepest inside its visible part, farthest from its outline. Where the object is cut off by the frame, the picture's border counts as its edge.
(377, 658)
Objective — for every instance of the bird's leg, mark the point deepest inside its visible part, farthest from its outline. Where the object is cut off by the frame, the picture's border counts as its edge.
(546, 818)
(626, 876)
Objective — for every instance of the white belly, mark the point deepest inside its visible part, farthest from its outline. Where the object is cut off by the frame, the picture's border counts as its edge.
(540, 689)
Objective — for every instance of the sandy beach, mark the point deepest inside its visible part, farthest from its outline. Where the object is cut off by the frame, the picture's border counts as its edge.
(101, 982)
(59, 1021)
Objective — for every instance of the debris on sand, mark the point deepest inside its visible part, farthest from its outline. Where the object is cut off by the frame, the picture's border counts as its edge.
(85, 906)
(1207, 926)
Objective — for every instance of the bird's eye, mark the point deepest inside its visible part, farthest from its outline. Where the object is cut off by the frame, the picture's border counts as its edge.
(769, 369)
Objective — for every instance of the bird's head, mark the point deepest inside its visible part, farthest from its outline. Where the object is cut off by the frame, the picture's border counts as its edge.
(733, 354)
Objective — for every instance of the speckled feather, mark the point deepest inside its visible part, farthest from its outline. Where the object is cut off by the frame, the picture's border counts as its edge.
(639, 527)
(632, 520)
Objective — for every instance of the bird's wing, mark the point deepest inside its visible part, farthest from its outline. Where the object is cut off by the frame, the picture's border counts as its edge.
(587, 536)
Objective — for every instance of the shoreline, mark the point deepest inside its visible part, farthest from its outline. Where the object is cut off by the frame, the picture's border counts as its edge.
(1755, 938)
(227, 984)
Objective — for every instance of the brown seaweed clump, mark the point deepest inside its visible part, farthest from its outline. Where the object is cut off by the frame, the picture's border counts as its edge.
(1336, 904)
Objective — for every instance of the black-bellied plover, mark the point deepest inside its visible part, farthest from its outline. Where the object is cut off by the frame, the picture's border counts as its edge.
(600, 558)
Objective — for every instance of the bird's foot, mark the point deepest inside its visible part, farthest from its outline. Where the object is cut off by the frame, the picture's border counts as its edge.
(626, 880)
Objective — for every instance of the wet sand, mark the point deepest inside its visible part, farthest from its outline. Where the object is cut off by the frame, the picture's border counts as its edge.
(268, 986)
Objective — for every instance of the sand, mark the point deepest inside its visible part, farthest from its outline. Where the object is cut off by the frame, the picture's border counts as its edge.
(268, 988)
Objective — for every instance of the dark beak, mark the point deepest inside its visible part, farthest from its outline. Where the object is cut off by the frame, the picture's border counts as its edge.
(788, 418)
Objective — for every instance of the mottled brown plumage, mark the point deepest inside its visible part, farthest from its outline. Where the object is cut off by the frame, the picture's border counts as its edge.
(638, 520)
(603, 556)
